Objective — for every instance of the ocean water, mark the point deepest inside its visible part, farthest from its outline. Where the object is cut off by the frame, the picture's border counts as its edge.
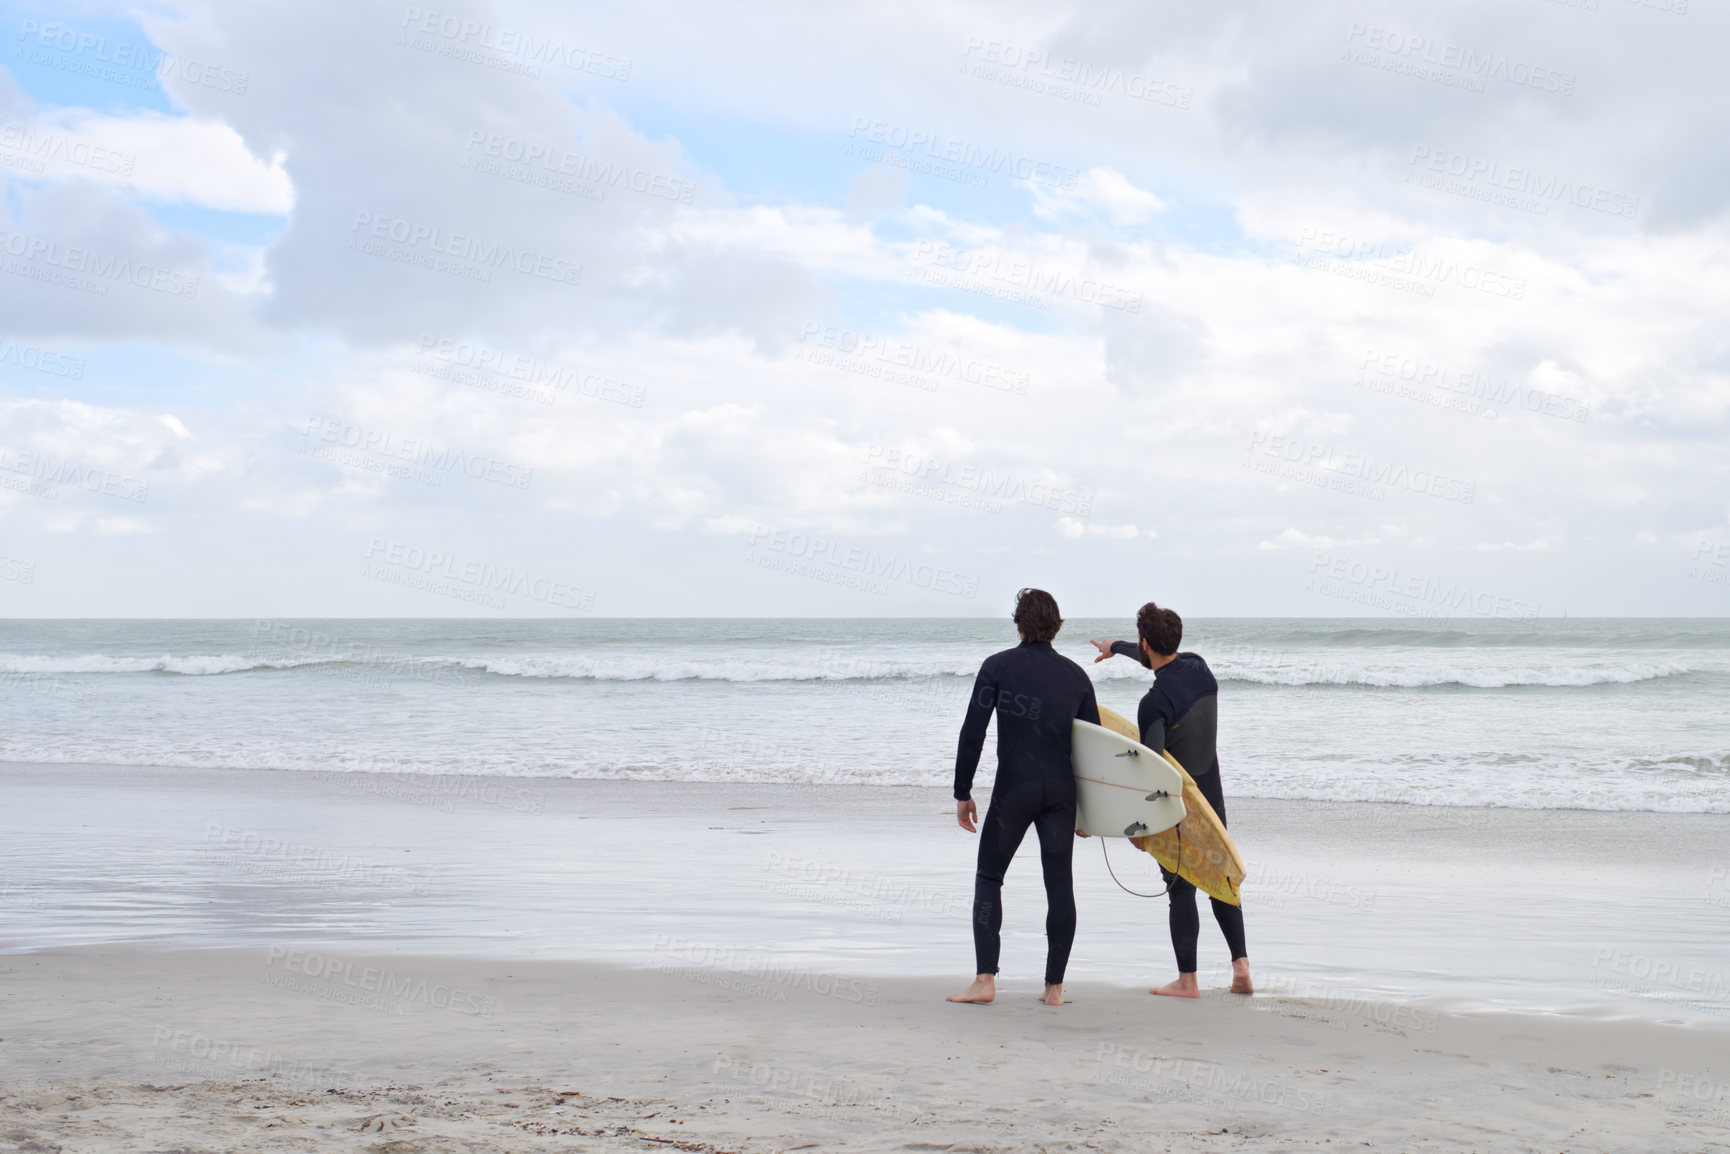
(1600, 714)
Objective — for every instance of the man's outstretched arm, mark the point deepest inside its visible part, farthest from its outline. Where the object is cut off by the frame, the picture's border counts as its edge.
(1128, 649)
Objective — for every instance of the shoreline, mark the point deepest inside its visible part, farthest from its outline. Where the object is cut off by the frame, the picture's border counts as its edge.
(1443, 909)
(482, 780)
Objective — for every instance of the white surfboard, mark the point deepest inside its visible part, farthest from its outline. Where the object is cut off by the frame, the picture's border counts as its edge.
(1122, 788)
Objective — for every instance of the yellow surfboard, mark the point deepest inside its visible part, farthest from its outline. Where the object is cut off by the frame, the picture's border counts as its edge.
(1197, 849)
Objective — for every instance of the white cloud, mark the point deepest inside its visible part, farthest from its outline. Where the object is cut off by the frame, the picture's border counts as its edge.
(89, 264)
(1293, 538)
(1075, 529)
(173, 159)
(1536, 545)
(700, 299)
(122, 526)
(1104, 191)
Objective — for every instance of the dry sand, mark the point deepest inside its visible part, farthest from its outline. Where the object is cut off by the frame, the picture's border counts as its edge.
(110, 1049)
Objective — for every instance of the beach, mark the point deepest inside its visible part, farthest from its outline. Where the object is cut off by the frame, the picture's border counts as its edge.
(125, 1049)
(530, 532)
(249, 959)
(630, 885)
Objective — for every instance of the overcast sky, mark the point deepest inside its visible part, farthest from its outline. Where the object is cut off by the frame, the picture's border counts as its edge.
(351, 309)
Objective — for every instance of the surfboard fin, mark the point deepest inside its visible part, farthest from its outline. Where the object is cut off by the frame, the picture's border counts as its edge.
(1135, 829)
(1157, 795)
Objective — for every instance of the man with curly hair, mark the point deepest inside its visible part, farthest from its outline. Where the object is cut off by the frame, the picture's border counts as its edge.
(1180, 713)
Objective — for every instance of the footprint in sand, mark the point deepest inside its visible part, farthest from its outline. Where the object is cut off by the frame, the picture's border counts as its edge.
(26, 1143)
(283, 1120)
(379, 1123)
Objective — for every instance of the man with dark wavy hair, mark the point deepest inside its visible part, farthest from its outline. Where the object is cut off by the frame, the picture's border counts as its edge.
(1035, 693)
(1180, 713)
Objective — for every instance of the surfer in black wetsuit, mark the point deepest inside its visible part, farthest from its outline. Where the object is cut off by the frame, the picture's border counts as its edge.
(1180, 713)
(1036, 693)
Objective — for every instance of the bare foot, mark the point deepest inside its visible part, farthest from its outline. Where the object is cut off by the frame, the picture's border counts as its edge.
(1053, 995)
(1240, 983)
(1184, 987)
(982, 991)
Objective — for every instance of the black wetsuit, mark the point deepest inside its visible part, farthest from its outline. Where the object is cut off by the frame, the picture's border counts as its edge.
(1036, 693)
(1181, 714)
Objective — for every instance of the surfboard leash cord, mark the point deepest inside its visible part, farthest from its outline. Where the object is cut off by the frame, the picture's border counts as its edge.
(1137, 893)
